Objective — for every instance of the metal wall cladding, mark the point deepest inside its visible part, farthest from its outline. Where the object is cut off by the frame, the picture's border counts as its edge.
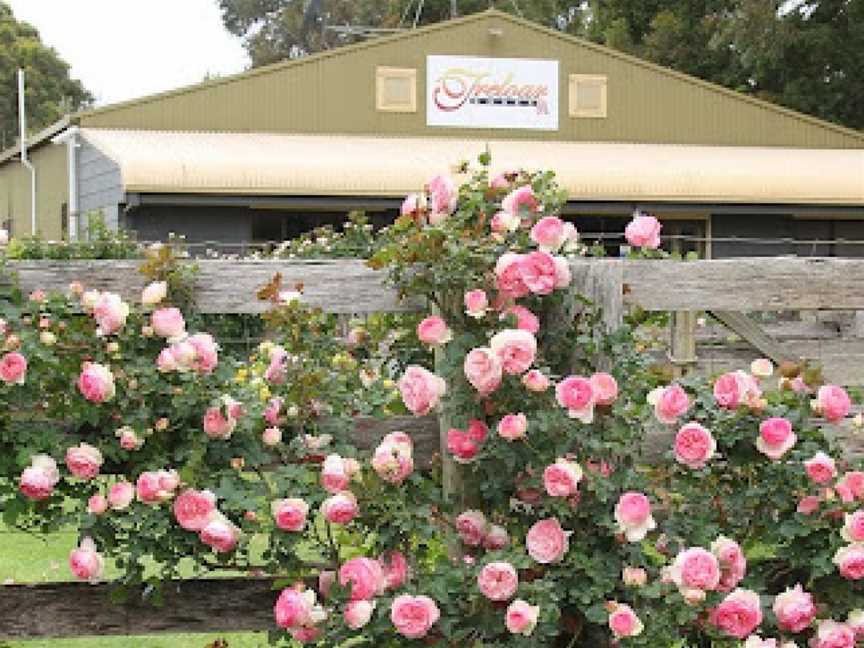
(52, 190)
(334, 93)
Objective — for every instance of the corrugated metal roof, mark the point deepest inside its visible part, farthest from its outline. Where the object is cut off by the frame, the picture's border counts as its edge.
(331, 165)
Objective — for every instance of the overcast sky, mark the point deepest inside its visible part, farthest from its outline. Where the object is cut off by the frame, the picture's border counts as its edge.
(122, 49)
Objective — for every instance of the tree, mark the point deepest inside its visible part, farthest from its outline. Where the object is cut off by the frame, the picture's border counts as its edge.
(50, 91)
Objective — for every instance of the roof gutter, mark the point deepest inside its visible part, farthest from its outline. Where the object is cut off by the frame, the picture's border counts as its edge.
(70, 138)
(26, 162)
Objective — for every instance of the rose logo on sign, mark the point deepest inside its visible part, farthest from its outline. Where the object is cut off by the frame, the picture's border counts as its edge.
(473, 92)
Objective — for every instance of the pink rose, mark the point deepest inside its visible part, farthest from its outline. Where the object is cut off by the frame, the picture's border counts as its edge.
(411, 205)
(217, 425)
(503, 222)
(290, 514)
(365, 576)
(472, 527)
(808, 505)
(508, 276)
(820, 468)
(853, 528)
(515, 348)
(549, 234)
(832, 403)
(85, 562)
(476, 303)
(271, 436)
(855, 621)
(830, 634)
(120, 495)
(739, 614)
(154, 293)
(38, 480)
(513, 427)
(395, 568)
(850, 561)
(220, 534)
(794, 609)
(521, 618)
(413, 616)
(547, 542)
(393, 461)
(295, 609)
(576, 395)
(762, 368)
(13, 368)
(605, 388)
(194, 509)
(443, 196)
(496, 538)
(694, 446)
(634, 576)
(276, 372)
(156, 486)
(498, 581)
(563, 276)
(206, 352)
(460, 444)
(727, 391)
(110, 313)
(535, 381)
(483, 370)
(775, 437)
(623, 622)
(525, 319)
(539, 272)
(733, 564)
(334, 474)
(421, 390)
(97, 504)
(695, 569)
(96, 383)
(562, 478)
(503, 180)
(851, 487)
(633, 515)
(358, 613)
(670, 403)
(83, 461)
(433, 331)
(340, 508)
(168, 322)
(643, 231)
(271, 412)
(129, 440)
(521, 200)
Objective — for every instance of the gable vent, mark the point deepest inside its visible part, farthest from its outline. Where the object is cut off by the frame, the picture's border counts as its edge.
(588, 95)
(396, 89)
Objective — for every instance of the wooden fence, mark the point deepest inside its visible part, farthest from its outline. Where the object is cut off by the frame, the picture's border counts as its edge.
(727, 289)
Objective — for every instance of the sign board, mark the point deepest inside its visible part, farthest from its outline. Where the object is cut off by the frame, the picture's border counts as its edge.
(475, 92)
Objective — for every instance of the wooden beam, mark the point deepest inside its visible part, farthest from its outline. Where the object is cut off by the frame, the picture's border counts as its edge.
(751, 333)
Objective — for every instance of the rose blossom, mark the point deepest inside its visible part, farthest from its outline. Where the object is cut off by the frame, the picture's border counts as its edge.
(670, 403)
(84, 461)
(421, 390)
(129, 440)
(395, 568)
(643, 231)
(443, 196)
(508, 276)
(850, 561)
(694, 446)
(503, 222)
(13, 368)
(525, 319)
(392, 461)
(120, 495)
(820, 468)
(217, 425)
(855, 620)
(168, 323)
(762, 368)
(433, 331)
(476, 303)
(97, 504)
(154, 487)
(832, 402)
(334, 474)
(794, 609)
(413, 616)
(633, 515)
(634, 576)
(535, 381)
(194, 509)
(515, 348)
(853, 529)
(220, 534)
(739, 614)
(472, 527)
(96, 382)
(340, 508)
(365, 576)
(830, 634)
(154, 293)
(271, 436)
(576, 395)
(39, 478)
(851, 487)
(605, 388)
(85, 562)
(411, 205)
(483, 370)
(358, 613)
(549, 233)
(547, 542)
(462, 446)
(775, 437)
(297, 609)
(728, 391)
(521, 618)
(206, 352)
(623, 621)
(695, 569)
(562, 478)
(290, 514)
(733, 564)
(110, 313)
(498, 581)
(496, 538)
(808, 505)
(513, 427)
(520, 199)
(539, 272)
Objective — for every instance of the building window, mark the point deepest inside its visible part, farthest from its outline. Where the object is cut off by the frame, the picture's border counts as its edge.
(396, 90)
(588, 96)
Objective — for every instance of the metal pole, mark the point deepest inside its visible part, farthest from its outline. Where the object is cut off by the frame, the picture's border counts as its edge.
(454, 9)
(22, 115)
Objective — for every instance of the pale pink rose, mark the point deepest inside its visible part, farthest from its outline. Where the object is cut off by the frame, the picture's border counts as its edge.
(643, 231)
(290, 514)
(549, 233)
(503, 222)
(85, 562)
(850, 561)
(539, 272)
(293, 608)
(498, 581)
(334, 474)
(154, 293)
(794, 609)
(110, 313)
(562, 478)
(695, 569)
(271, 436)
(38, 480)
(851, 487)
(483, 370)
(563, 276)
(365, 576)
(89, 299)
(129, 440)
(358, 613)
(762, 368)
(576, 395)
(855, 620)
(546, 541)
(277, 371)
(220, 534)
(508, 276)
(633, 515)
(521, 618)
(443, 196)
(271, 412)
(395, 567)
(830, 634)
(13, 368)
(496, 538)
(340, 508)
(97, 504)
(413, 616)
(472, 527)
(623, 622)
(755, 641)
(153, 487)
(525, 319)
(853, 528)
(403, 442)
(513, 427)
(515, 348)
(306, 634)
(820, 468)
(166, 361)
(168, 322)
(84, 461)
(728, 391)
(462, 446)
(694, 446)
(832, 403)
(775, 437)
(476, 303)
(605, 388)
(421, 390)
(433, 331)
(808, 505)
(671, 403)
(217, 425)
(739, 614)
(120, 495)
(393, 461)
(634, 576)
(206, 352)
(411, 205)
(535, 381)
(194, 509)
(733, 564)
(96, 382)
(521, 200)
(503, 180)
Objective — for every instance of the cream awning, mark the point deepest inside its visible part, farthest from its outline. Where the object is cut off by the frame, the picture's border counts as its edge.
(337, 165)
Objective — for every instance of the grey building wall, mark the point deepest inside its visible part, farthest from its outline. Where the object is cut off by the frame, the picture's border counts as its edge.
(806, 238)
(100, 185)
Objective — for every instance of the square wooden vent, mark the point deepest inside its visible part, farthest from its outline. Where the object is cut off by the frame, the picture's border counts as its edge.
(588, 95)
(396, 89)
